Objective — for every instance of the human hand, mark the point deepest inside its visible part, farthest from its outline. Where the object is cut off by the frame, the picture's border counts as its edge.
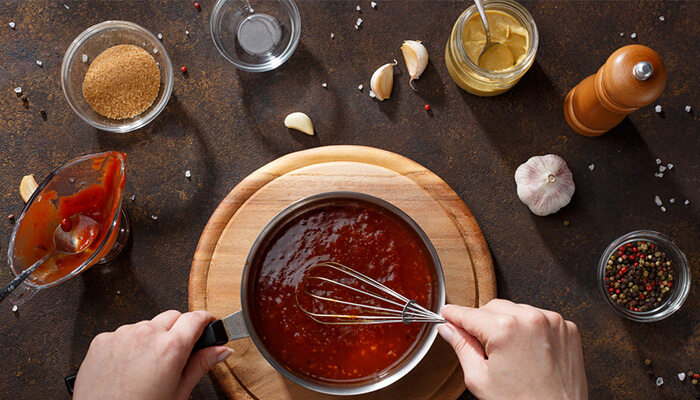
(148, 360)
(515, 351)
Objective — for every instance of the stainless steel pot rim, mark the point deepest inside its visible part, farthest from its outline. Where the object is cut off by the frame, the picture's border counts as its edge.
(396, 373)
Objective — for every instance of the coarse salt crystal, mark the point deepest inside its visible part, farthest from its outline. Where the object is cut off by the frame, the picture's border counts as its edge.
(155, 51)
(188, 174)
(187, 33)
(661, 18)
(12, 25)
(14, 308)
(133, 197)
(672, 200)
(622, 33)
(154, 217)
(66, 6)
(118, 292)
(84, 58)
(358, 8)
(686, 202)
(657, 200)
(659, 174)
(371, 94)
(658, 161)
(659, 381)
(662, 168)
(18, 90)
(359, 22)
(681, 376)
(373, 4)
(360, 87)
(688, 109)
(663, 209)
(670, 166)
(160, 36)
(324, 84)
(39, 63)
(332, 35)
(658, 109)
(633, 35)
(591, 167)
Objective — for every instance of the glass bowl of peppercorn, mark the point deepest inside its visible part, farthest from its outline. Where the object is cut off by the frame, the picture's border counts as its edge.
(644, 276)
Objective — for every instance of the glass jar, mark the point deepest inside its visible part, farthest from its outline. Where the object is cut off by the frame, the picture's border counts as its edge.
(479, 81)
(680, 267)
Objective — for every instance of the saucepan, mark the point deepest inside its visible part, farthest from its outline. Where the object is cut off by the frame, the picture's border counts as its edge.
(239, 324)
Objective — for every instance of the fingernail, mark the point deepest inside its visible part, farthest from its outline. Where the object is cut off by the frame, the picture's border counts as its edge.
(446, 332)
(224, 355)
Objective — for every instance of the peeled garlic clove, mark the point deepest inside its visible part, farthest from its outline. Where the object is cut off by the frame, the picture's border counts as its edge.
(382, 81)
(300, 122)
(27, 187)
(416, 57)
(545, 184)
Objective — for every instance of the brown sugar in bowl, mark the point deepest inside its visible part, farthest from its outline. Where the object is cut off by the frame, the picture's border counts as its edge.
(122, 82)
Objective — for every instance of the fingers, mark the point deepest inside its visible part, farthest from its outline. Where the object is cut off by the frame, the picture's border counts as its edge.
(190, 326)
(165, 320)
(198, 365)
(477, 322)
(468, 349)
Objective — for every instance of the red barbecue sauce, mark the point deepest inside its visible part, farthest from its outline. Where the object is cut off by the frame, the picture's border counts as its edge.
(99, 201)
(367, 239)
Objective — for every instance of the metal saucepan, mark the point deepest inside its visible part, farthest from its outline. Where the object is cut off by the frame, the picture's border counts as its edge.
(239, 324)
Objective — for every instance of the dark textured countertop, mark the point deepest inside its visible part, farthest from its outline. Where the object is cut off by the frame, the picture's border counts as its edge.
(223, 124)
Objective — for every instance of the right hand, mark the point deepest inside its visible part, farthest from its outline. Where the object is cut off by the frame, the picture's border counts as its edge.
(514, 351)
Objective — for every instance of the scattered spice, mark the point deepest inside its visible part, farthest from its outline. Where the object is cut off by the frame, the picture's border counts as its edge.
(14, 308)
(11, 217)
(360, 87)
(133, 197)
(42, 112)
(658, 160)
(160, 36)
(658, 109)
(358, 23)
(66, 6)
(198, 6)
(84, 58)
(670, 166)
(183, 69)
(661, 18)
(659, 381)
(332, 35)
(681, 376)
(622, 34)
(696, 376)
(639, 277)
(633, 35)
(122, 82)
(663, 209)
(154, 217)
(566, 222)
(591, 167)
(188, 174)
(12, 25)
(18, 91)
(694, 382)
(688, 109)
(686, 202)
(427, 107)
(647, 362)
(39, 63)
(187, 33)
(324, 84)
(672, 200)
(374, 5)
(358, 8)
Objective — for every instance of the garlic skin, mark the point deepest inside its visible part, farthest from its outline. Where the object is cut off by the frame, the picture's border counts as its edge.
(382, 81)
(545, 184)
(416, 57)
(27, 187)
(300, 122)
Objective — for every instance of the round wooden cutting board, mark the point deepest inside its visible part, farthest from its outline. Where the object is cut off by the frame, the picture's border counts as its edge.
(218, 262)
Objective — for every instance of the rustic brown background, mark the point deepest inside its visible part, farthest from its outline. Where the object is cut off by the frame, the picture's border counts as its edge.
(222, 124)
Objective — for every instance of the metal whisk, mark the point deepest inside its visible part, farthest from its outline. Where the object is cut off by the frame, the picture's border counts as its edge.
(394, 307)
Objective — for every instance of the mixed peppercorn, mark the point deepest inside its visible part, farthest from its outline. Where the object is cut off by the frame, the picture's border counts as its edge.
(639, 276)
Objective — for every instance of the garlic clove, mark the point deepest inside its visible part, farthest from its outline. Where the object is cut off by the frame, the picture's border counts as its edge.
(382, 81)
(545, 184)
(27, 187)
(300, 122)
(416, 57)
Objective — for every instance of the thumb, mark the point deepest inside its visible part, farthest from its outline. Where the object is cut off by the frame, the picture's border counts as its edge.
(198, 365)
(468, 349)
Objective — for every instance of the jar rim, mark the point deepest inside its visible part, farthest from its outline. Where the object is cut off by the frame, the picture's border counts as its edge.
(517, 11)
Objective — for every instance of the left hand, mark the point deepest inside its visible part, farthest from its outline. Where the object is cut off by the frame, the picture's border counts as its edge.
(148, 360)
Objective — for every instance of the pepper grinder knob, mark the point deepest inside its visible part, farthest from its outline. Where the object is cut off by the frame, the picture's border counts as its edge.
(631, 78)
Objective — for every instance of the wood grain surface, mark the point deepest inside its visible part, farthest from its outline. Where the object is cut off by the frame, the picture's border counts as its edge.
(220, 257)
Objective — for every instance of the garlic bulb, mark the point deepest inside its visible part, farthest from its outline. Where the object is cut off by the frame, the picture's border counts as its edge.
(300, 122)
(416, 57)
(545, 184)
(382, 81)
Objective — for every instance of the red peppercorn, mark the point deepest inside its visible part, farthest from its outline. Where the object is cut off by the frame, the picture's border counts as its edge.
(635, 264)
(617, 291)
(610, 290)
(623, 269)
(652, 246)
(696, 376)
(669, 284)
(66, 224)
(619, 253)
(634, 250)
(183, 69)
(427, 107)
(629, 245)
(648, 288)
(11, 217)
(622, 248)
(196, 5)
(636, 309)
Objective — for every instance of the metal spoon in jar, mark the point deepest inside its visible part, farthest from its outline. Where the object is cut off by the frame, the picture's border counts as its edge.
(79, 236)
(493, 47)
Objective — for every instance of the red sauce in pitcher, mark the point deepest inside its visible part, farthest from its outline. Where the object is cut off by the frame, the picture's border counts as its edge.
(99, 201)
(365, 238)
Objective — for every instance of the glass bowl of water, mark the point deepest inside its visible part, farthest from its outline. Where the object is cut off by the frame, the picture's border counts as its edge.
(255, 35)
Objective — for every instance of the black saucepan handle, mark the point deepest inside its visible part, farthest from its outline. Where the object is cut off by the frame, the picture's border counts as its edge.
(70, 383)
(214, 334)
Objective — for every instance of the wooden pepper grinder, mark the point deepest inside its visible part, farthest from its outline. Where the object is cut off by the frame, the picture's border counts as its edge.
(632, 77)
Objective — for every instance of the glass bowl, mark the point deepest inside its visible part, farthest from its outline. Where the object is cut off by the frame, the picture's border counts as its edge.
(680, 267)
(255, 35)
(94, 41)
